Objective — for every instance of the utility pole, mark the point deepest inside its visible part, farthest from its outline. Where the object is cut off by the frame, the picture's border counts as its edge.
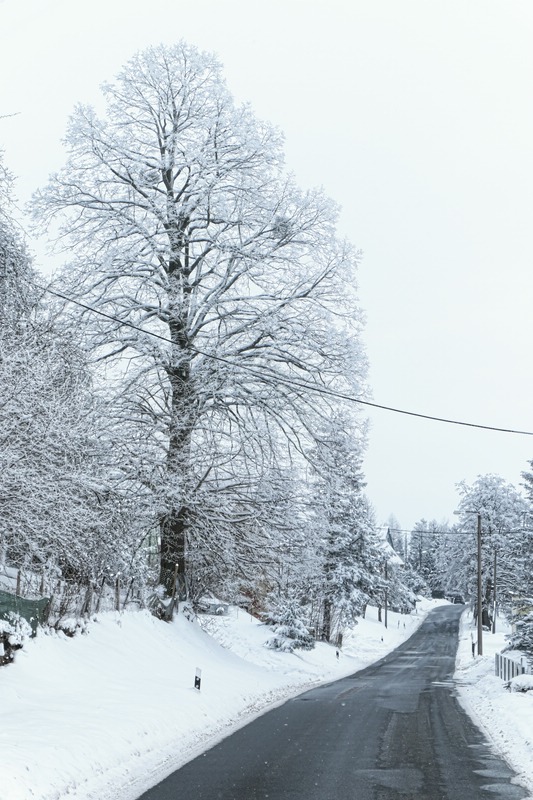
(479, 582)
(494, 592)
(479, 599)
(386, 592)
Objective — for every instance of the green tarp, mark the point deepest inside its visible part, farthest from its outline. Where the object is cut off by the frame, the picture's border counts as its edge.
(34, 611)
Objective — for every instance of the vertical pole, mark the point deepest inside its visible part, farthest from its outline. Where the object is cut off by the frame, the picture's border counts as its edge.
(386, 593)
(479, 600)
(198, 679)
(494, 590)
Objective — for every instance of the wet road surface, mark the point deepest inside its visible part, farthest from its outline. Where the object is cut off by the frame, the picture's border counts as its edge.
(393, 730)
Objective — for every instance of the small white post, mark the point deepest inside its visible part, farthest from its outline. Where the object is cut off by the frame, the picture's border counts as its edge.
(198, 679)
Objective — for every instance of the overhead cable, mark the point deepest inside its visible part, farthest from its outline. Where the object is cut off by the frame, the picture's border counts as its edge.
(292, 381)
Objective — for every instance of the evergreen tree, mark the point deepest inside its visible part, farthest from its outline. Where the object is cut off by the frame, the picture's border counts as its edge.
(522, 636)
(285, 617)
(349, 549)
(423, 553)
(505, 544)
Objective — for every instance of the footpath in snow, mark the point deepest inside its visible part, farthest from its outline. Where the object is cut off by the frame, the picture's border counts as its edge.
(111, 712)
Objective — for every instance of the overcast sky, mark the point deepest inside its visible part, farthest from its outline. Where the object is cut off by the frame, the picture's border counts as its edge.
(417, 118)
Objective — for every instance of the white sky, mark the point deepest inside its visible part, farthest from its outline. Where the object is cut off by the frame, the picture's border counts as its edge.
(417, 117)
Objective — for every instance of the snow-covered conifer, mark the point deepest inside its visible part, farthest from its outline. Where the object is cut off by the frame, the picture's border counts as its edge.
(286, 618)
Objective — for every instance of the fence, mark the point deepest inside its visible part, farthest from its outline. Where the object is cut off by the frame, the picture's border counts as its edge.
(507, 668)
(69, 598)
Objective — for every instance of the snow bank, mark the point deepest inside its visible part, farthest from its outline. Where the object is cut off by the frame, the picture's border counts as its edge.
(505, 718)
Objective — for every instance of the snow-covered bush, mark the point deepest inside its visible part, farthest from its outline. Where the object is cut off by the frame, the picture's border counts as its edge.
(71, 626)
(14, 630)
(521, 683)
(286, 619)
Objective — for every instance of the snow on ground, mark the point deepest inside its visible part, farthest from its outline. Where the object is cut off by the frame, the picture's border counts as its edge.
(107, 714)
(506, 718)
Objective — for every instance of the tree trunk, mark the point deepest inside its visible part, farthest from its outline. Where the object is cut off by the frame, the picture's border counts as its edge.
(326, 620)
(173, 528)
(173, 525)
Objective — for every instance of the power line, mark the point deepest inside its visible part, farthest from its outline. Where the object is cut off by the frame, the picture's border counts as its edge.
(292, 381)
(455, 533)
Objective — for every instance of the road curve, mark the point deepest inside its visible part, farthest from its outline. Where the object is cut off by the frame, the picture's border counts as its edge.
(393, 730)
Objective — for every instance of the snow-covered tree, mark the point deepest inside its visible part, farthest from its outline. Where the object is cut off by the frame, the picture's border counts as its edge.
(179, 219)
(528, 484)
(521, 637)
(423, 552)
(398, 537)
(18, 292)
(59, 510)
(286, 617)
(504, 543)
(349, 548)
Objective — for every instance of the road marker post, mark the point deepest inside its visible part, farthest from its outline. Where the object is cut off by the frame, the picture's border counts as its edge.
(198, 679)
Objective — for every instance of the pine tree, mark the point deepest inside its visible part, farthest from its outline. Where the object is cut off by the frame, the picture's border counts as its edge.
(285, 616)
(349, 550)
(522, 636)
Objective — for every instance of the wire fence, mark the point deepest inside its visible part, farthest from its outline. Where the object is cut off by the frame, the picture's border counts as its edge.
(70, 599)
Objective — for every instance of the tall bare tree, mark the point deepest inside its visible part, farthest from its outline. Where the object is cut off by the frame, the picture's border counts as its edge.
(180, 220)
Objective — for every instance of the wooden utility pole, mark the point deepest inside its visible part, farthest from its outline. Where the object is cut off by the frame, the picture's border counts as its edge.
(494, 591)
(479, 599)
(386, 592)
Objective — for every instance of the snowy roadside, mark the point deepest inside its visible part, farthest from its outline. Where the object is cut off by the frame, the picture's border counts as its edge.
(106, 715)
(506, 718)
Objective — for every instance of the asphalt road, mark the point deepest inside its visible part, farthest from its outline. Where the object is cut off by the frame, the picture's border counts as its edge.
(394, 730)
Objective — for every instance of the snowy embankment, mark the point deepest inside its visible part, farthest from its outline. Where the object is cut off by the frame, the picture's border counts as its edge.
(107, 714)
(506, 718)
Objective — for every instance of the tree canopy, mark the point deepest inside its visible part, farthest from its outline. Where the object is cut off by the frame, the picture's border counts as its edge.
(181, 221)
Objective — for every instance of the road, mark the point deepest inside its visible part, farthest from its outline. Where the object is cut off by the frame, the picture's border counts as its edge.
(393, 730)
